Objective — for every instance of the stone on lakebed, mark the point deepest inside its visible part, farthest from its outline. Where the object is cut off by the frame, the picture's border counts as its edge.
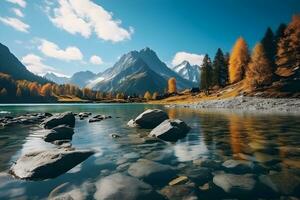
(47, 164)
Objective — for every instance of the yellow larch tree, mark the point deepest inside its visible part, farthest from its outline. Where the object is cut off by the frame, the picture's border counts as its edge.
(172, 85)
(238, 61)
(259, 71)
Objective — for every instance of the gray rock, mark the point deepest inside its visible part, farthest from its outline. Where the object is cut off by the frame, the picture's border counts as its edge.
(151, 118)
(47, 164)
(61, 132)
(152, 172)
(239, 166)
(170, 130)
(94, 120)
(66, 118)
(235, 184)
(120, 186)
(284, 182)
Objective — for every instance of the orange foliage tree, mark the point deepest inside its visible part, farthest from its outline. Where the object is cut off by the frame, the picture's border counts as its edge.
(259, 71)
(147, 96)
(46, 90)
(172, 85)
(288, 53)
(238, 61)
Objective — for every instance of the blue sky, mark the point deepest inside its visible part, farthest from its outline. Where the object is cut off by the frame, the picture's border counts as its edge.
(62, 36)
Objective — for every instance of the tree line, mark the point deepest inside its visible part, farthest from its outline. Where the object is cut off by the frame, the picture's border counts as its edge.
(276, 52)
(25, 91)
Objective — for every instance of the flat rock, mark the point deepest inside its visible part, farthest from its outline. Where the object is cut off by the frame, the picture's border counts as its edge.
(66, 118)
(151, 118)
(47, 164)
(120, 186)
(61, 132)
(151, 172)
(235, 184)
(170, 130)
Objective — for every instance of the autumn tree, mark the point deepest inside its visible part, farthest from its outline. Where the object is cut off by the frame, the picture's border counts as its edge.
(279, 33)
(98, 95)
(19, 92)
(269, 45)
(238, 61)
(120, 96)
(147, 96)
(288, 55)
(220, 69)
(155, 95)
(206, 74)
(34, 89)
(259, 71)
(172, 86)
(3, 92)
(46, 90)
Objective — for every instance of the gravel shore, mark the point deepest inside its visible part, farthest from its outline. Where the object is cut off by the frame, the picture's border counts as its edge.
(249, 104)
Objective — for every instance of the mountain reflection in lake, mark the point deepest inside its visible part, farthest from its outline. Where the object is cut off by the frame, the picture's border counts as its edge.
(269, 142)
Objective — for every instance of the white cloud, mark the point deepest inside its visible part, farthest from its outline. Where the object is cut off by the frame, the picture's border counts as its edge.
(21, 3)
(52, 50)
(34, 64)
(85, 17)
(18, 12)
(15, 23)
(193, 59)
(96, 60)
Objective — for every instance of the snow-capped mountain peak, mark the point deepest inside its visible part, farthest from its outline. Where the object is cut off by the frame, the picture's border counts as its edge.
(188, 71)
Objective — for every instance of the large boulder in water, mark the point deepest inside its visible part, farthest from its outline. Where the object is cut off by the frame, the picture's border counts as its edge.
(119, 186)
(61, 132)
(152, 172)
(47, 164)
(66, 118)
(150, 118)
(170, 130)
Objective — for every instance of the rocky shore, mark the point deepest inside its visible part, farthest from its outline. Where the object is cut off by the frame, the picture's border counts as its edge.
(291, 105)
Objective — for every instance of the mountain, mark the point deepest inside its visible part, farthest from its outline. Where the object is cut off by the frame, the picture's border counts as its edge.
(82, 78)
(188, 71)
(137, 72)
(130, 75)
(55, 78)
(9, 64)
(152, 60)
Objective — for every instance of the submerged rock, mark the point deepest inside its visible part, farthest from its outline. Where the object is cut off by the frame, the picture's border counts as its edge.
(170, 130)
(152, 172)
(179, 192)
(47, 164)
(66, 118)
(149, 119)
(235, 184)
(61, 132)
(120, 186)
(284, 182)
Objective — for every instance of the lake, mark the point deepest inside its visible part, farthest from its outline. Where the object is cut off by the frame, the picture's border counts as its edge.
(265, 145)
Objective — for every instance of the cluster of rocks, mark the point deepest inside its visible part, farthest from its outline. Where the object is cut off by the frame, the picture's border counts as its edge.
(163, 127)
(40, 165)
(96, 118)
(30, 118)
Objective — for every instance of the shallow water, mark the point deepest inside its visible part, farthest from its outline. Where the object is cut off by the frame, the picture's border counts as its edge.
(271, 141)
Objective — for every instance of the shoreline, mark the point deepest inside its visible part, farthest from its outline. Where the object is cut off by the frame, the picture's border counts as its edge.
(243, 103)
